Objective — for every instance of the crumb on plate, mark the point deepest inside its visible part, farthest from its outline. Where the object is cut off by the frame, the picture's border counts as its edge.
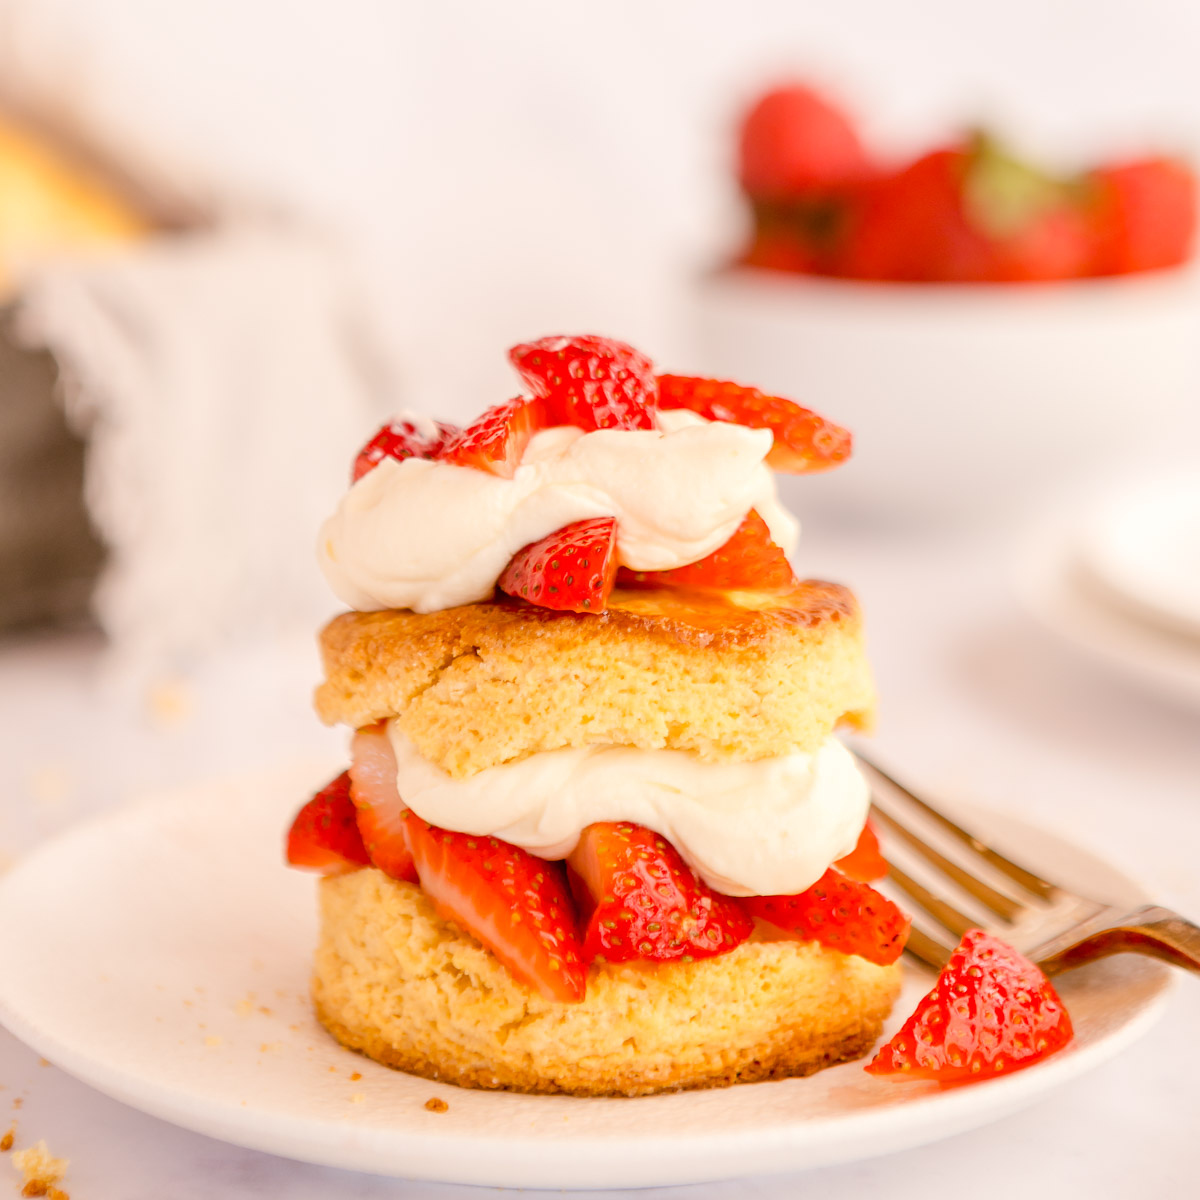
(436, 1104)
(40, 1168)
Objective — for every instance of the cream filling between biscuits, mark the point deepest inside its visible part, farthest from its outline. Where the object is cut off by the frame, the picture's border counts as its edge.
(770, 827)
(428, 535)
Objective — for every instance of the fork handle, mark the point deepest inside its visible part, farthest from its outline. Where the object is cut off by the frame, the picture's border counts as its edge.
(1153, 931)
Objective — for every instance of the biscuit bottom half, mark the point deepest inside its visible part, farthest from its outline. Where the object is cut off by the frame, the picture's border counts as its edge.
(398, 983)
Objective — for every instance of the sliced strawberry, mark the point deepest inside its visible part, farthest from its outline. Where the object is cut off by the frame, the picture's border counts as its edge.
(750, 559)
(648, 902)
(381, 812)
(572, 570)
(840, 913)
(324, 836)
(517, 905)
(804, 441)
(590, 382)
(401, 439)
(496, 441)
(865, 862)
(991, 1012)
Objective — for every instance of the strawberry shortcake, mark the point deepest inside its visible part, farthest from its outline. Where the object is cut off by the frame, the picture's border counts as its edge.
(596, 835)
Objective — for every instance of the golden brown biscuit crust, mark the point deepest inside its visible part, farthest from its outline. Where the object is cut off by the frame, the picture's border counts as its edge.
(396, 982)
(745, 676)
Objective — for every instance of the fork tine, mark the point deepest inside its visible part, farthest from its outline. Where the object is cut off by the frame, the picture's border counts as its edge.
(928, 950)
(1026, 878)
(1000, 904)
(958, 923)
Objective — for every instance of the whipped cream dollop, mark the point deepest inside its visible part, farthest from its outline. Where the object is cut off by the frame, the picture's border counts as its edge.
(427, 535)
(764, 828)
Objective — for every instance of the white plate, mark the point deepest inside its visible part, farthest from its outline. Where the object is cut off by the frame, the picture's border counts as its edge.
(161, 954)
(1061, 594)
(1144, 547)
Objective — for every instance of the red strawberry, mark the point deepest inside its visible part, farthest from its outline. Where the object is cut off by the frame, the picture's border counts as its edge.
(864, 863)
(750, 559)
(991, 1011)
(905, 221)
(381, 812)
(572, 570)
(324, 835)
(648, 903)
(401, 439)
(517, 905)
(1145, 215)
(590, 382)
(970, 213)
(804, 441)
(496, 441)
(840, 913)
(775, 247)
(794, 140)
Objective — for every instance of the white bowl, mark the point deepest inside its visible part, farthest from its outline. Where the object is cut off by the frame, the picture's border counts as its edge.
(966, 401)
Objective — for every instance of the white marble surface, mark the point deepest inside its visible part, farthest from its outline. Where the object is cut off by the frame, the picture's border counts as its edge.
(977, 703)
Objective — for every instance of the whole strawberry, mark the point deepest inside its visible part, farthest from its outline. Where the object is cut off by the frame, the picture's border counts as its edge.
(589, 382)
(968, 213)
(795, 141)
(990, 1012)
(1144, 214)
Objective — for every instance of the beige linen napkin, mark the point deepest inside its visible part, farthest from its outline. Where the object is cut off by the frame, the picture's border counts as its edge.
(222, 380)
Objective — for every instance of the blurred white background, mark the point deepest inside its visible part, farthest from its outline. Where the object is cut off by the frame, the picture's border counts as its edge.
(499, 171)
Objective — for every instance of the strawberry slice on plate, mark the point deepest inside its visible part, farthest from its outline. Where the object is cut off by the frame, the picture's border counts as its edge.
(804, 441)
(865, 862)
(517, 905)
(990, 1012)
(572, 570)
(840, 913)
(750, 559)
(401, 439)
(496, 441)
(381, 812)
(589, 382)
(648, 902)
(324, 836)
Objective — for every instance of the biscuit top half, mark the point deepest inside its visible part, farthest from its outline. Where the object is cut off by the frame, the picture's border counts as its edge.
(740, 676)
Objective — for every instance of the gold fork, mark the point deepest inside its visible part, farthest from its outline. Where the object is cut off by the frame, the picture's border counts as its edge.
(1047, 922)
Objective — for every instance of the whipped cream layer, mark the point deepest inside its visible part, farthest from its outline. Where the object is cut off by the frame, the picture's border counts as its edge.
(426, 535)
(770, 827)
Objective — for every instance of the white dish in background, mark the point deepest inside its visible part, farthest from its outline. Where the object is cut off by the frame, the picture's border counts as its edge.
(161, 954)
(1060, 593)
(966, 401)
(1144, 547)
